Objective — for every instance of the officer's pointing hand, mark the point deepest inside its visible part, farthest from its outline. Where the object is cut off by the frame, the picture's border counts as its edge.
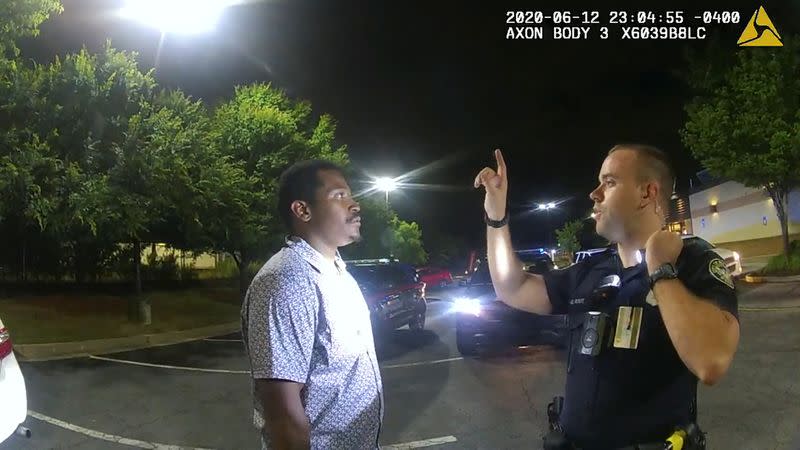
(662, 247)
(496, 185)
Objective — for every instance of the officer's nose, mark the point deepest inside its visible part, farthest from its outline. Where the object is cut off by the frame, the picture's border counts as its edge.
(595, 195)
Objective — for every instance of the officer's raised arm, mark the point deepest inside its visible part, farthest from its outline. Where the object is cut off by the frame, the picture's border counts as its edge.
(513, 285)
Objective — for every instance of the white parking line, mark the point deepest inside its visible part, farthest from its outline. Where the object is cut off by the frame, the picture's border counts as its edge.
(422, 363)
(165, 366)
(247, 372)
(108, 437)
(222, 340)
(420, 444)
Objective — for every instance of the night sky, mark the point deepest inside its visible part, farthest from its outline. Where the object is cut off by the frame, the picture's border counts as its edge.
(412, 83)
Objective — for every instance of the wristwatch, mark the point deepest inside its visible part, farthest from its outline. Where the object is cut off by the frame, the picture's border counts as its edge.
(665, 271)
(495, 223)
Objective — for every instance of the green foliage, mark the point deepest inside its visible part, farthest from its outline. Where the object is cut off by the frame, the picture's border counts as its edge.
(744, 122)
(21, 18)
(783, 264)
(567, 237)
(262, 132)
(407, 242)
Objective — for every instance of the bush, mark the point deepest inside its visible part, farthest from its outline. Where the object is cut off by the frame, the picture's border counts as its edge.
(225, 269)
(162, 269)
(782, 265)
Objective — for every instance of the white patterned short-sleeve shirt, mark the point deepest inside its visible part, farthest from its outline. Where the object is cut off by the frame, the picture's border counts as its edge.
(304, 319)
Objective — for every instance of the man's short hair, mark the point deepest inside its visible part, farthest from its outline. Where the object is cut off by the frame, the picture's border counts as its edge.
(653, 164)
(300, 182)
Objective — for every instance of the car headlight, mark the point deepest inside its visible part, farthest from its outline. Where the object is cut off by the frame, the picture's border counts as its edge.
(467, 306)
(736, 256)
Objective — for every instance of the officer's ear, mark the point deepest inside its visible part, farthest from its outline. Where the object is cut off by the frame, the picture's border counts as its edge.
(649, 194)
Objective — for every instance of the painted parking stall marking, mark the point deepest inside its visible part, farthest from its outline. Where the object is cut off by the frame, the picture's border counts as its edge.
(165, 366)
(420, 444)
(108, 437)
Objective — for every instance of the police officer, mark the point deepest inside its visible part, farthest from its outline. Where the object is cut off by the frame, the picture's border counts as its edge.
(647, 319)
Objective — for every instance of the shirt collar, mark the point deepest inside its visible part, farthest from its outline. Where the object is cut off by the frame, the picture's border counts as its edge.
(315, 258)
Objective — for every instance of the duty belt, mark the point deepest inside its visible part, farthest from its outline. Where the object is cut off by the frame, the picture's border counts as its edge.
(685, 437)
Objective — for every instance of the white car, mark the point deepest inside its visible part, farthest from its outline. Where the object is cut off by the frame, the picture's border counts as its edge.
(14, 404)
(732, 259)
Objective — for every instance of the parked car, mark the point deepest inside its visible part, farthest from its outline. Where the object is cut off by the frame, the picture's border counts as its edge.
(732, 259)
(483, 321)
(394, 294)
(14, 404)
(433, 276)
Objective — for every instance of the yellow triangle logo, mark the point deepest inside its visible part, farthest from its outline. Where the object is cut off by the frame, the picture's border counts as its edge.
(760, 32)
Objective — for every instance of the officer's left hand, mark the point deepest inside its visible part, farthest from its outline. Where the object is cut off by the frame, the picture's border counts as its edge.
(662, 247)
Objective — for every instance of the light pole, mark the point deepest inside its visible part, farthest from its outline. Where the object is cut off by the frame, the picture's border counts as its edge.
(386, 184)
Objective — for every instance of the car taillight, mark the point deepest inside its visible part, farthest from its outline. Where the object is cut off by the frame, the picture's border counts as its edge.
(5, 343)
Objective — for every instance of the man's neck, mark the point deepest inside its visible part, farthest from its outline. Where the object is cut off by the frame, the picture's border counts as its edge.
(629, 247)
(319, 244)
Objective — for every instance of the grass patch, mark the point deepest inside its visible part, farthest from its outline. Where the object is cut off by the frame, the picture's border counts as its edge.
(35, 319)
(784, 265)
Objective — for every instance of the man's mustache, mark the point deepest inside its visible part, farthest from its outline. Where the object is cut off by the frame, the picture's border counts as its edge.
(354, 218)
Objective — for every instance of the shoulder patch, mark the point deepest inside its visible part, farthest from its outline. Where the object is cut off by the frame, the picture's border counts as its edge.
(718, 270)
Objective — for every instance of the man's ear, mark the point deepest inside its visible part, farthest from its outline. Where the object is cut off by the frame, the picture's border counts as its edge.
(649, 194)
(301, 210)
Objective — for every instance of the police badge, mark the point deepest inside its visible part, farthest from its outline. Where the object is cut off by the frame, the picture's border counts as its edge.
(718, 270)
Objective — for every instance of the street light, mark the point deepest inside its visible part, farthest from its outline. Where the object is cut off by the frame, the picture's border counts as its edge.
(546, 206)
(176, 16)
(386, 184)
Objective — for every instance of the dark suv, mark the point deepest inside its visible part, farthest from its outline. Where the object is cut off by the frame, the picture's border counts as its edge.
(483, 321)
(393, 292)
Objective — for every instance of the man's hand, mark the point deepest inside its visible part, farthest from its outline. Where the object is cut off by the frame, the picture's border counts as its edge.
(662, 247)
(496, 185)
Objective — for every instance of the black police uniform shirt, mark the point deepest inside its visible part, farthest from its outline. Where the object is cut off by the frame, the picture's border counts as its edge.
(625, 396)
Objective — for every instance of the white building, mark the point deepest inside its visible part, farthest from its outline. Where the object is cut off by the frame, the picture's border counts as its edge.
(731, 215)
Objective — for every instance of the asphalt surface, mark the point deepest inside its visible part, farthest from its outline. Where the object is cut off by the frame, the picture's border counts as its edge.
(494, 402)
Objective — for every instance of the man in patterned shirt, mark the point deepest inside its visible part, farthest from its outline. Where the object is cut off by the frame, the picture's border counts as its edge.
(306, 326)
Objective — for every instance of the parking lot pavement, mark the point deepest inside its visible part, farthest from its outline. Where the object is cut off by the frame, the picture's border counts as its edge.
(493, 402)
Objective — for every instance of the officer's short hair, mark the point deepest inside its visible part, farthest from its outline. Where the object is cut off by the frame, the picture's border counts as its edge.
(654, 164)
(300, 182)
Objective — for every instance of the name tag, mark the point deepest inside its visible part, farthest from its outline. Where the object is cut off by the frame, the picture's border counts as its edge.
(629, 322)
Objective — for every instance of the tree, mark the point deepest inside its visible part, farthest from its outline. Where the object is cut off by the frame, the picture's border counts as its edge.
(21, 18)
(744, 121)
(567, 237)
(407, 242)
(263, 131)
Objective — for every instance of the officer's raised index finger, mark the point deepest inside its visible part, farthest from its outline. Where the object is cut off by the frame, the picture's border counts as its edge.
(501, 163)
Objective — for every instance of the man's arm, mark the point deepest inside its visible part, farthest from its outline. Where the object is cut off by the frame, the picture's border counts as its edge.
(286, 422)
(704, 335)
(513, 285)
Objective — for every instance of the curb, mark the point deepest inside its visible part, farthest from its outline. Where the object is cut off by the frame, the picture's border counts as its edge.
(64, 350)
